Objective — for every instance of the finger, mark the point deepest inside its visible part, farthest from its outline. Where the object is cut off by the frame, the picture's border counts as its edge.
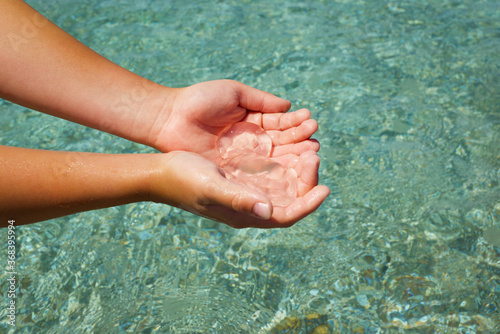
(256, 117)
(282, 216)
(278, 121)
(296, 148)
(238, 197)
(239, 220)
(256, 100)
(307, 172)
(306, 166)
(295, 134)
(285, 121)
(302, 206)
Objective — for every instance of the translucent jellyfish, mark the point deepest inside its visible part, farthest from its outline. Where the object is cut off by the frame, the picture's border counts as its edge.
(245, 150)
(244, 137)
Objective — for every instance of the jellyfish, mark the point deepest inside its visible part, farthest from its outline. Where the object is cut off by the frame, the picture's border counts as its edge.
(245, 151)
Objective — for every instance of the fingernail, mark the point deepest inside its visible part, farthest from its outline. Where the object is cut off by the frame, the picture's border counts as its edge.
(262, 210)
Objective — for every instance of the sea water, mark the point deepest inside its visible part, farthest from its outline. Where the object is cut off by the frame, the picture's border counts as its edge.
(407, 99)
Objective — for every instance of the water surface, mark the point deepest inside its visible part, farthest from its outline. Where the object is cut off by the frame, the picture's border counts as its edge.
(407, 96)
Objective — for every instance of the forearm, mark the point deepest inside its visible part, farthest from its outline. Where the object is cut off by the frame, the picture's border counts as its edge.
(44, 68)
(37, 185)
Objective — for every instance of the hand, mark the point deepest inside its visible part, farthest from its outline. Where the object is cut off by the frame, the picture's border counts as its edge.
(310, 195)
(200, 112)
(195, 184)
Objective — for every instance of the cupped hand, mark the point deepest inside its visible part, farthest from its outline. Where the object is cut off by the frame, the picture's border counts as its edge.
(199, 113)
(193, 183)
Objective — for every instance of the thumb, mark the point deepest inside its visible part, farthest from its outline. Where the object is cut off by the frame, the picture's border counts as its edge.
(241, 198)
(257, 100)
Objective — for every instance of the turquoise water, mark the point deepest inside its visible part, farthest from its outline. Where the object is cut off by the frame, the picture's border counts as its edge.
(407, 96)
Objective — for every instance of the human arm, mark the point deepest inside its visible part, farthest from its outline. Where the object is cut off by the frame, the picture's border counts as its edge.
(37, 185)
(52, 72)
(46, 69)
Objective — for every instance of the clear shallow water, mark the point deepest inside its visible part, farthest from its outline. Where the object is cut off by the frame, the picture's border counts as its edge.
(407, 97)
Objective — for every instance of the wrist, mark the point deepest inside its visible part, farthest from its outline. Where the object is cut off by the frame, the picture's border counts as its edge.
(153, 106)
(138, 114)
(161, 183)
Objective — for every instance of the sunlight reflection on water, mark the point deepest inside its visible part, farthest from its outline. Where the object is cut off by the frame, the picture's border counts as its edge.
(406, 96)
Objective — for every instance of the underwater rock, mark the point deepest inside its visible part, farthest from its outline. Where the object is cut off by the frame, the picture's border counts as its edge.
(312, 323)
